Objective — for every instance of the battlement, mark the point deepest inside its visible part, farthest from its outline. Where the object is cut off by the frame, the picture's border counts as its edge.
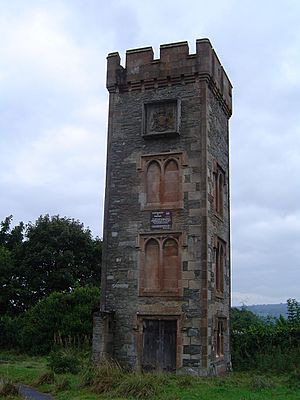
(175, 66)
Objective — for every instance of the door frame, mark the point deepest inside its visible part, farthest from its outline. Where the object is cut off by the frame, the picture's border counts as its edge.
(177, 318)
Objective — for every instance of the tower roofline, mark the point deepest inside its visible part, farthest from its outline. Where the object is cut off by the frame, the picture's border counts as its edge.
(174, 66)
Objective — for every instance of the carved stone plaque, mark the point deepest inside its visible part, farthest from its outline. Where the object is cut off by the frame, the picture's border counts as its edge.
(161, 220)
(161, 117)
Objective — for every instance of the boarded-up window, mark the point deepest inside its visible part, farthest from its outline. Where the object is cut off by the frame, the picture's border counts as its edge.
(220, 265)
(171, 182)
(160, 266)
(170, 264)
(151, 272)
(219, 184)
(163, 181)
(153, 182)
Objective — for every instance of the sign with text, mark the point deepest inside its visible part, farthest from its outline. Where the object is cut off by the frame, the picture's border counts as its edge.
(161, 220)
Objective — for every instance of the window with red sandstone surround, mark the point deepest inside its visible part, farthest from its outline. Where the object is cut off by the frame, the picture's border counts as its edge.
(220, 265)
(219, 184)
(163, 181)
(160, 265)
(220, 337)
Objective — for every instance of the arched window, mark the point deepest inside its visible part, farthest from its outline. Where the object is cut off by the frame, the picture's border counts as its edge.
(162, 181)
(220, 262)
(153, 182)
(170, 264)
(171, 182)
(220, 338)
(160, 266)
(152, 261)
(221, 194)
(219, 182)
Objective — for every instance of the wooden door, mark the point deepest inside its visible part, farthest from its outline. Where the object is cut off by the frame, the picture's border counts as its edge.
(159, 344)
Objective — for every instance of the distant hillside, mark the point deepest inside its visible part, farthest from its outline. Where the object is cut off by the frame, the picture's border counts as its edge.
(264, 310)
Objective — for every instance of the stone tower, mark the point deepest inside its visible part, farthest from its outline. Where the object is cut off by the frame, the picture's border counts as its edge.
(166, 258)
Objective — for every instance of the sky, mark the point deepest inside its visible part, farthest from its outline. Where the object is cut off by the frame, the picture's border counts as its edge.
(53, 123)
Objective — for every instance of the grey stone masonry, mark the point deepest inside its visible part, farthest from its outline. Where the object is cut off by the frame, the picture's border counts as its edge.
(166, 254)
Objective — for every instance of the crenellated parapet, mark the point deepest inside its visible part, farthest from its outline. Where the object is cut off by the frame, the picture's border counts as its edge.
(175, 66)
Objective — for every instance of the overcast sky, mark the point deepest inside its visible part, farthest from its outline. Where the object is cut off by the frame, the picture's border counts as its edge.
(53, 121)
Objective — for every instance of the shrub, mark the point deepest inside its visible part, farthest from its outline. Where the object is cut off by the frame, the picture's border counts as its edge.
(64, 360)
(267, 348)
(41, 328)
(106, 376)
(294, 380)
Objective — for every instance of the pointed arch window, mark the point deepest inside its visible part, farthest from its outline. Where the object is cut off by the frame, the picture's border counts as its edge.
(152, 260)
(170, 265)
(220, 332)
(171, 182)
(153, 182)
(219, 185)
(163, 181)
(220, 265)
(160, 266)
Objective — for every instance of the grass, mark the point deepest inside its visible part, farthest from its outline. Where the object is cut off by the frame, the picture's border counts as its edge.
(8, 390)
(111, 382)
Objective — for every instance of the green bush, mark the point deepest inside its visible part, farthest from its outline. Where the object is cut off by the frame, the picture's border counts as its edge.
(267, 348)
(62, 361)
(294, 379)
(63, 319)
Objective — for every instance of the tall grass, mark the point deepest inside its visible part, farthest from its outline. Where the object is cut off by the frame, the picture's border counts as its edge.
(109, 377)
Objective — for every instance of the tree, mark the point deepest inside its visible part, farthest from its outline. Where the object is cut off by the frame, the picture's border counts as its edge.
(242, 319)
(52, 254)
(11, 242)
(6, 276)
(293, 312)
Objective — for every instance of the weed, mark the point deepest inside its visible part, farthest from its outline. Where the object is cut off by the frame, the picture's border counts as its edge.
(7, 388)
(105, 376)
(62, 361)
(140, 386)
(62, 384)
(46, 377)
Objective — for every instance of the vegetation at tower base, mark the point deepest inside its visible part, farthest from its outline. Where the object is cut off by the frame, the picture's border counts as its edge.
(267, 345)
(108, 381)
